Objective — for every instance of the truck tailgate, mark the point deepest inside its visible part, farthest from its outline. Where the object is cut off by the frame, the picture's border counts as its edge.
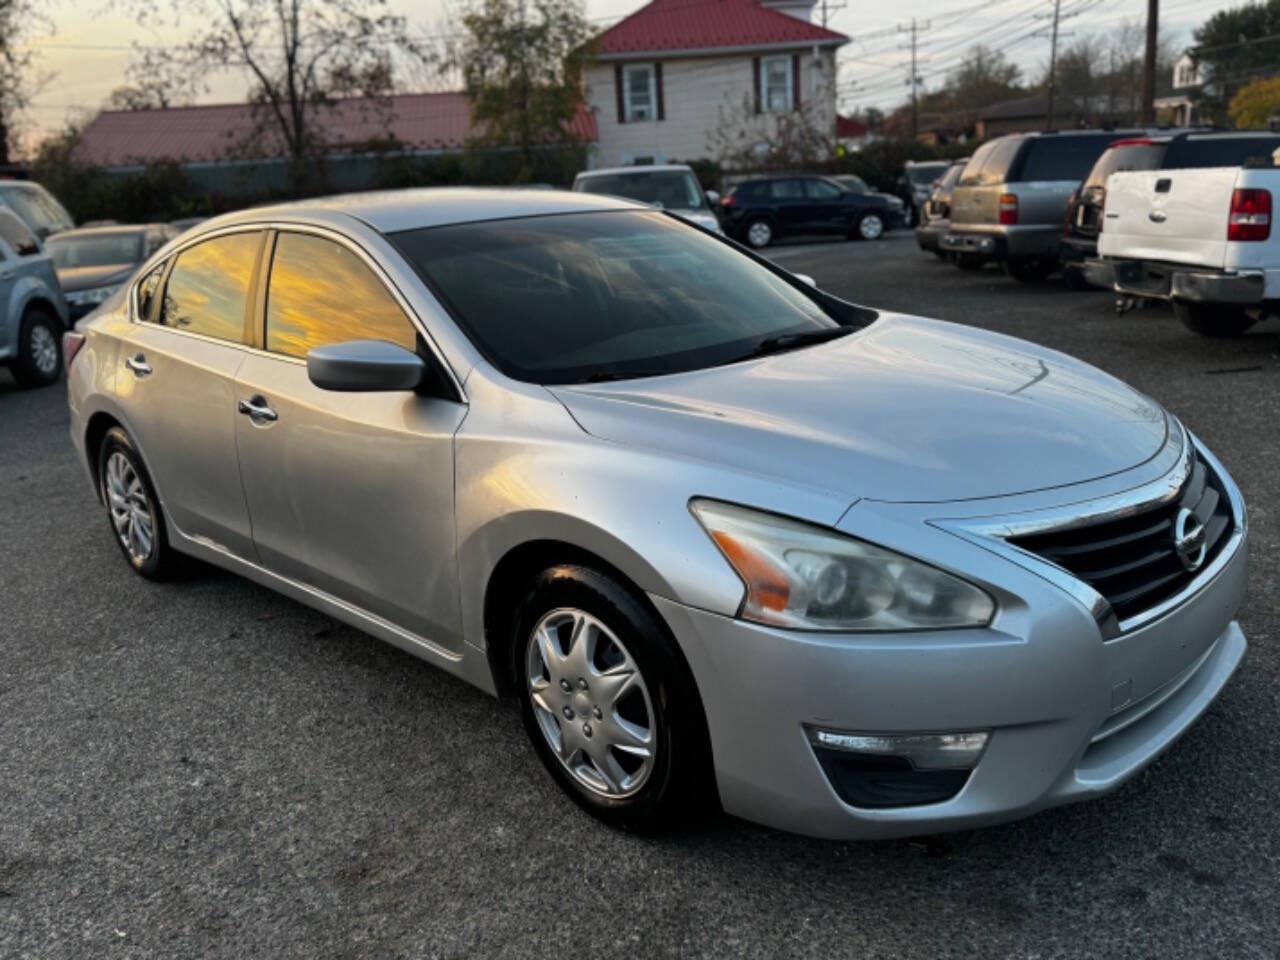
(1178, 216)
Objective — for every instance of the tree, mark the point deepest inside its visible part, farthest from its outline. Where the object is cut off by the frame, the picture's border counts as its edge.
(521, 66)
(744, 139)
(18, 21)
(1236, 46)
(299, 56)
(1256, 103)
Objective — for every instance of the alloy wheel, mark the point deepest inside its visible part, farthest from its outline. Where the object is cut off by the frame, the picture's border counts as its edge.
(591, 703)
(870, 227)
(44, 350)
(759, 234)
(130, 509)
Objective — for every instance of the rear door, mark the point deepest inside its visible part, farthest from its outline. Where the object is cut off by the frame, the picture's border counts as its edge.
(790, 204)
(350, 493)
(1178, 216)
(176, 384)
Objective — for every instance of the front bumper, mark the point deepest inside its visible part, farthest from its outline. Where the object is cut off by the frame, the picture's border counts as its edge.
(1166, 281)
(1070, 715)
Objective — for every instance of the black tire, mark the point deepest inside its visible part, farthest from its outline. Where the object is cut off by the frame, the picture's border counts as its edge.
(31, 366)
(755, 242)
(866, 222)
(1073, 279)
(940, 254)
(161, 562)
(1028, 270)
(968, 261)
(679, 788)
(1214, 320)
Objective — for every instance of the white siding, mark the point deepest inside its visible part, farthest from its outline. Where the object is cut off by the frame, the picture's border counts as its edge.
(694, 91)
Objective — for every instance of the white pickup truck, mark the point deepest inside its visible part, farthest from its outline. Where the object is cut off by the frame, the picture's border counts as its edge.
(1201, 238)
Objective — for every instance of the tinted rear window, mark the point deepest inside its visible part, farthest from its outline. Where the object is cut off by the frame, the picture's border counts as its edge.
(992, 162)
(1215, 152)
(670, 189)
(1145, 156)
(1062, 158)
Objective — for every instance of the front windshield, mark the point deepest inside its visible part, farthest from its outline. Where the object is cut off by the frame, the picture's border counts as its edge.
(852, 183)
(570, 298)
(42, 213)
(95, 250)
(668, 189)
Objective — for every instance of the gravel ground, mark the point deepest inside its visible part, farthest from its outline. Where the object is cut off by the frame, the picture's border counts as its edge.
(207, 769)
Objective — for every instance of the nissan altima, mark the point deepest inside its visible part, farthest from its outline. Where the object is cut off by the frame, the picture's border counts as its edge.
(727, 539)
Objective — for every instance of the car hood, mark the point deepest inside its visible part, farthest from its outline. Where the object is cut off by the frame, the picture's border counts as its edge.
(903, 410)
(72, 279)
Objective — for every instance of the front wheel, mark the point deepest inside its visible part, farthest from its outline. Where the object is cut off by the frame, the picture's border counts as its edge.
(1213, 319)
(608, 701)
(870, 226)
(759, 233)
(39, 356)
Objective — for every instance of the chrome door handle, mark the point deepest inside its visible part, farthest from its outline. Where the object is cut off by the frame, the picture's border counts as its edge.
(258, 410)
(138, 365)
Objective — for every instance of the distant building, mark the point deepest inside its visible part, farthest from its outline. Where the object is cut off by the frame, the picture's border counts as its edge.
(1189, 78)
(661, 77)
(1029, 114)
(229, 148)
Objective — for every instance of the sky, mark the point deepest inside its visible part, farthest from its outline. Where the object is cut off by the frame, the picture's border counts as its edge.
(86, 55)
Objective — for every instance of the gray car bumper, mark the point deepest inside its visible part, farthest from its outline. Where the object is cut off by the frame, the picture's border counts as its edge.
(1163, 281)
(1049, 698)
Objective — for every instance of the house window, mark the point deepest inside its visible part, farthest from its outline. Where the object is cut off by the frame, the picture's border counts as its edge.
(775, 84)
(639, 94)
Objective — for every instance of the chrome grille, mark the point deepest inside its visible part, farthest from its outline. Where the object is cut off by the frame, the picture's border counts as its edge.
(1132, 561)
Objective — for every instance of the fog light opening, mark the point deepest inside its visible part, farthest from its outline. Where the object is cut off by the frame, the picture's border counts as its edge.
(880, 771)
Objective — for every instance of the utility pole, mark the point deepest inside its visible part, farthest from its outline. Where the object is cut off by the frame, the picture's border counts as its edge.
(1053, 63)
(914, 79)
(1149, 64)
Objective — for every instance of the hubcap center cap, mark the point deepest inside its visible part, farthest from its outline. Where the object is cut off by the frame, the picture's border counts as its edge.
(581, 703)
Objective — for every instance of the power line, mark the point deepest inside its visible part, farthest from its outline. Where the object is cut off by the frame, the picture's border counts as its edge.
(914, 79)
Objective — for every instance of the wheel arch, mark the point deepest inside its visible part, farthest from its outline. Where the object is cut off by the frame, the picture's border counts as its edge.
(94, 432)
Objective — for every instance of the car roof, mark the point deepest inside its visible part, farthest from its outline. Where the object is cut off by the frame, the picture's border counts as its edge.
(633, 169)
(107, 230)
(391, 211)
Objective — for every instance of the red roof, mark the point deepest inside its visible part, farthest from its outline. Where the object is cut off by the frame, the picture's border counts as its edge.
(704, 24)
(848, 128)
(208, 134)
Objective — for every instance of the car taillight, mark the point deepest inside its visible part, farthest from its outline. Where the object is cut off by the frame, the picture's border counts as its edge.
(1250, 215)
(71, 344)
(1008, 209)
(1072, 202)
(727, 201)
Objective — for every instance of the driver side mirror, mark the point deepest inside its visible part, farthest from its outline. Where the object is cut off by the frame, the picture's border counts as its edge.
(365, 366)
(713, 198)
(805, 278)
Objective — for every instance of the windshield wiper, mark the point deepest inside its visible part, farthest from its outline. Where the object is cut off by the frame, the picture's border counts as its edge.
(779, 343)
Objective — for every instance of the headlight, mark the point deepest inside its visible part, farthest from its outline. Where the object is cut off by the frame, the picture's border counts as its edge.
(810, 578)
(96, 295)
(896, 202)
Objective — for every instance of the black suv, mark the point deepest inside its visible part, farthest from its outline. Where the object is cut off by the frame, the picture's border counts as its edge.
(1174, 151)
(760, 211)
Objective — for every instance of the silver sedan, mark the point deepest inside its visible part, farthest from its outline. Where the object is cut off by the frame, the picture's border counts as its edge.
(729, 540)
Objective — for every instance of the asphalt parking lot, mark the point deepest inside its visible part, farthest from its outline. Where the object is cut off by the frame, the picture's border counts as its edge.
(204, 768)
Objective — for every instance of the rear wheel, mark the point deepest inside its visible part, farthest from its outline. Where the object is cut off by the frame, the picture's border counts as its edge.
(133, 508)
(1213, 319)
(1073, 279)
(968, 261)
(759, 233)
(1028, 270)
(870, 226)
(39, 356)
(608, 702)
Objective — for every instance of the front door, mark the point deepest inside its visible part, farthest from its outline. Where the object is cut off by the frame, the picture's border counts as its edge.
(176, 385)
(350, 493)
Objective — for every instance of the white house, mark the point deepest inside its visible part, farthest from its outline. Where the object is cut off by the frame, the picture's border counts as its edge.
(663, 79)
(1188, 76)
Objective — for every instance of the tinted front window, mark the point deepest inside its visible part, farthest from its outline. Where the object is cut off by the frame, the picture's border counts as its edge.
(1062, 158)
(15, 233)
(147, 288)
(1136, 156)
(673, 189)
(1218, 152)
(572, 297)
(95, 250)
(208, 289)
(40, 211)
(322, 293)
(853, 184)
(821, 190)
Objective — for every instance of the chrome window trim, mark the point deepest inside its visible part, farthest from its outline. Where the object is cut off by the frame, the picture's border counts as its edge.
(327, 233)
(991, 534)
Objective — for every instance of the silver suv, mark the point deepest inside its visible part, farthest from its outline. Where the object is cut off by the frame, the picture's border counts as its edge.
(33, 313)
(1011, 201)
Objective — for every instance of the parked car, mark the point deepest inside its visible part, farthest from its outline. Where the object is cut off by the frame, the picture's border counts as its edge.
(1011, 200)
(855, 184)
(722, 535)
(1201, 239)
(1185, 150)
(916, 183)
(671, 186)
(35, 206)
(935, 215)
(93, 262)
(183, 224)
(33, 314)
(760, 211)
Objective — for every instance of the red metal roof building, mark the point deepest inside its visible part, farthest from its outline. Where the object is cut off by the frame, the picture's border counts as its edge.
(711, 25)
